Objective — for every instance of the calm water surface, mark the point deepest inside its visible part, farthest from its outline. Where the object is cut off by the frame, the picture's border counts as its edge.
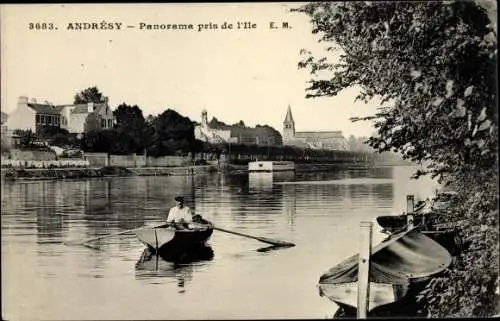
(42, 278)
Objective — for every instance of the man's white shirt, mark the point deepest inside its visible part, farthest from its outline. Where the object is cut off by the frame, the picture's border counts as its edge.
(176, 214)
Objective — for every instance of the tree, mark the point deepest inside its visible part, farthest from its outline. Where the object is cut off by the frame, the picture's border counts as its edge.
(89, 95)
(130, 128)
(215, 123)
(432, 65)
(92, 122)
(99, 141)
(240, 124)
(172, 134)
(26, 137)
(352, 142)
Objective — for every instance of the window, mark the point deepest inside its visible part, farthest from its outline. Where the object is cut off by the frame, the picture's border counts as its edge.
(43, 119)
(103, 123)
(110, 123)
(49, 120)
(38, 119)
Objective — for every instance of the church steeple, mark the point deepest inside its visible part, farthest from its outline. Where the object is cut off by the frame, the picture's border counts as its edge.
(288, 117)
(288, 126)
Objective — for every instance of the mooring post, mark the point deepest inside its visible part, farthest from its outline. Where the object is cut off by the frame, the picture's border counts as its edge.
(365, 251)
(409, 210)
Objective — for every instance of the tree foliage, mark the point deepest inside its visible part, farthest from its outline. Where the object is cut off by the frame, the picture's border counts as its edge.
(89, 95)
(215, 123)
(172, 133)
(27, 137)
(131, 128)
(432, 65)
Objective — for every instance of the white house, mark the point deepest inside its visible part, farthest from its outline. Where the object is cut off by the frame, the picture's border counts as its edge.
(74, 118)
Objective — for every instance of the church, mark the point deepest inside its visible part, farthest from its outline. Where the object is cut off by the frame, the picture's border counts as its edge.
(330, 140)
(217, 132)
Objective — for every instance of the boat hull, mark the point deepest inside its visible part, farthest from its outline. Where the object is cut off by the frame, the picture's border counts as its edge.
(271, 166)
(165, 239)
(401, 262)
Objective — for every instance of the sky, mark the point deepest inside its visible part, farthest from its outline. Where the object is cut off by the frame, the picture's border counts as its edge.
(235, 74)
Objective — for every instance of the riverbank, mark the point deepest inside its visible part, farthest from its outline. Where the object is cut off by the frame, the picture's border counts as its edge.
(14, 174)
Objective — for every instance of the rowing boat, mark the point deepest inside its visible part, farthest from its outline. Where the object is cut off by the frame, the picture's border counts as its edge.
(179, 238)
(403, 260)
(430, 224)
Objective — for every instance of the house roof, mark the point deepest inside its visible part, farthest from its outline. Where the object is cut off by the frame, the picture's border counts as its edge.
(45, 109)
(83, 108)
(261, 132)
(319, 135)
(297, 143)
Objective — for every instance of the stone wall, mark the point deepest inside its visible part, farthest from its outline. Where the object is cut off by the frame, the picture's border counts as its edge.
(97, 159)
(240, 158)
(35, 155)
(168, 161)
(64, 163)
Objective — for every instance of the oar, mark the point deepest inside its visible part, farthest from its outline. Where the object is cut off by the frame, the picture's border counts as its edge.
(82, 242)
(262, 239)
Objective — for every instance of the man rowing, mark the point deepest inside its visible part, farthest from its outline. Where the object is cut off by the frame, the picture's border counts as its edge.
(180, 215)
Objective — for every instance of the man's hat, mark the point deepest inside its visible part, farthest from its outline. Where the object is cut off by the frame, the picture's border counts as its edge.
(179, 199)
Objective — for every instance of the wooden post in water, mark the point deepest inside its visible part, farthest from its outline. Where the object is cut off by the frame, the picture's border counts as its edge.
(365, 251)
(409, 210)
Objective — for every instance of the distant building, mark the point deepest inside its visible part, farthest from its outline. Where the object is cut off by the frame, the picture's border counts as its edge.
(217, 132)
(9, 139)
(74, 118)
(331, 140)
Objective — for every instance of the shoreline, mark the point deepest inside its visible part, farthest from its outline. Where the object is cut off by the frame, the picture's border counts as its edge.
(35, 174)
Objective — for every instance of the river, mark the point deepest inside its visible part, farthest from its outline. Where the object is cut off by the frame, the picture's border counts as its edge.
(45, 279)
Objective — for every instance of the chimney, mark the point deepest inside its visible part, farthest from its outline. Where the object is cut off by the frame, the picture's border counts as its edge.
(90, 107)
(22, 102)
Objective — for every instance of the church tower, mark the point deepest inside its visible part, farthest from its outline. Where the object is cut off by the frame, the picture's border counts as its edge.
(288, 126)
(204, 118)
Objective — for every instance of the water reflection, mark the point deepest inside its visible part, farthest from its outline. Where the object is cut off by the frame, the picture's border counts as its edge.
(151, 266)
(320, 214)
(259, 182)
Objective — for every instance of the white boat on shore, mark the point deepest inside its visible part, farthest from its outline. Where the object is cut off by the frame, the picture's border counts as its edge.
(271, 166)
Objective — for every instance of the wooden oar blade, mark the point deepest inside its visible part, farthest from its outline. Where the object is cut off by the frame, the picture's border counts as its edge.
(262, 239)
(85, 242)
(276, 242)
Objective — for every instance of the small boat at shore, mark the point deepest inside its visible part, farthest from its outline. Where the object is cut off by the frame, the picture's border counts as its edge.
(404, 260)
(169, 238)
(270, 166)
(429, 224)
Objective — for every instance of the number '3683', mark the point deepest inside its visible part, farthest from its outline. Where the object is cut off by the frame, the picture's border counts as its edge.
(41, 26)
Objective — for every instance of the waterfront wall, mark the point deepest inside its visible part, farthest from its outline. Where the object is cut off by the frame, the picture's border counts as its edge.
(29, 155)
(307, 156)
(237, 158)
(63, 163)
(133, 160)
(37, 159)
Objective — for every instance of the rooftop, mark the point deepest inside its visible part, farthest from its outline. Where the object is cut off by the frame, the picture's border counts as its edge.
(45, 108)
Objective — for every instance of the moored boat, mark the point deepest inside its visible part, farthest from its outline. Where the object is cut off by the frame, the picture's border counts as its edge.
(402, 261)
(169, 238)
(430, 224)
(271, 166)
